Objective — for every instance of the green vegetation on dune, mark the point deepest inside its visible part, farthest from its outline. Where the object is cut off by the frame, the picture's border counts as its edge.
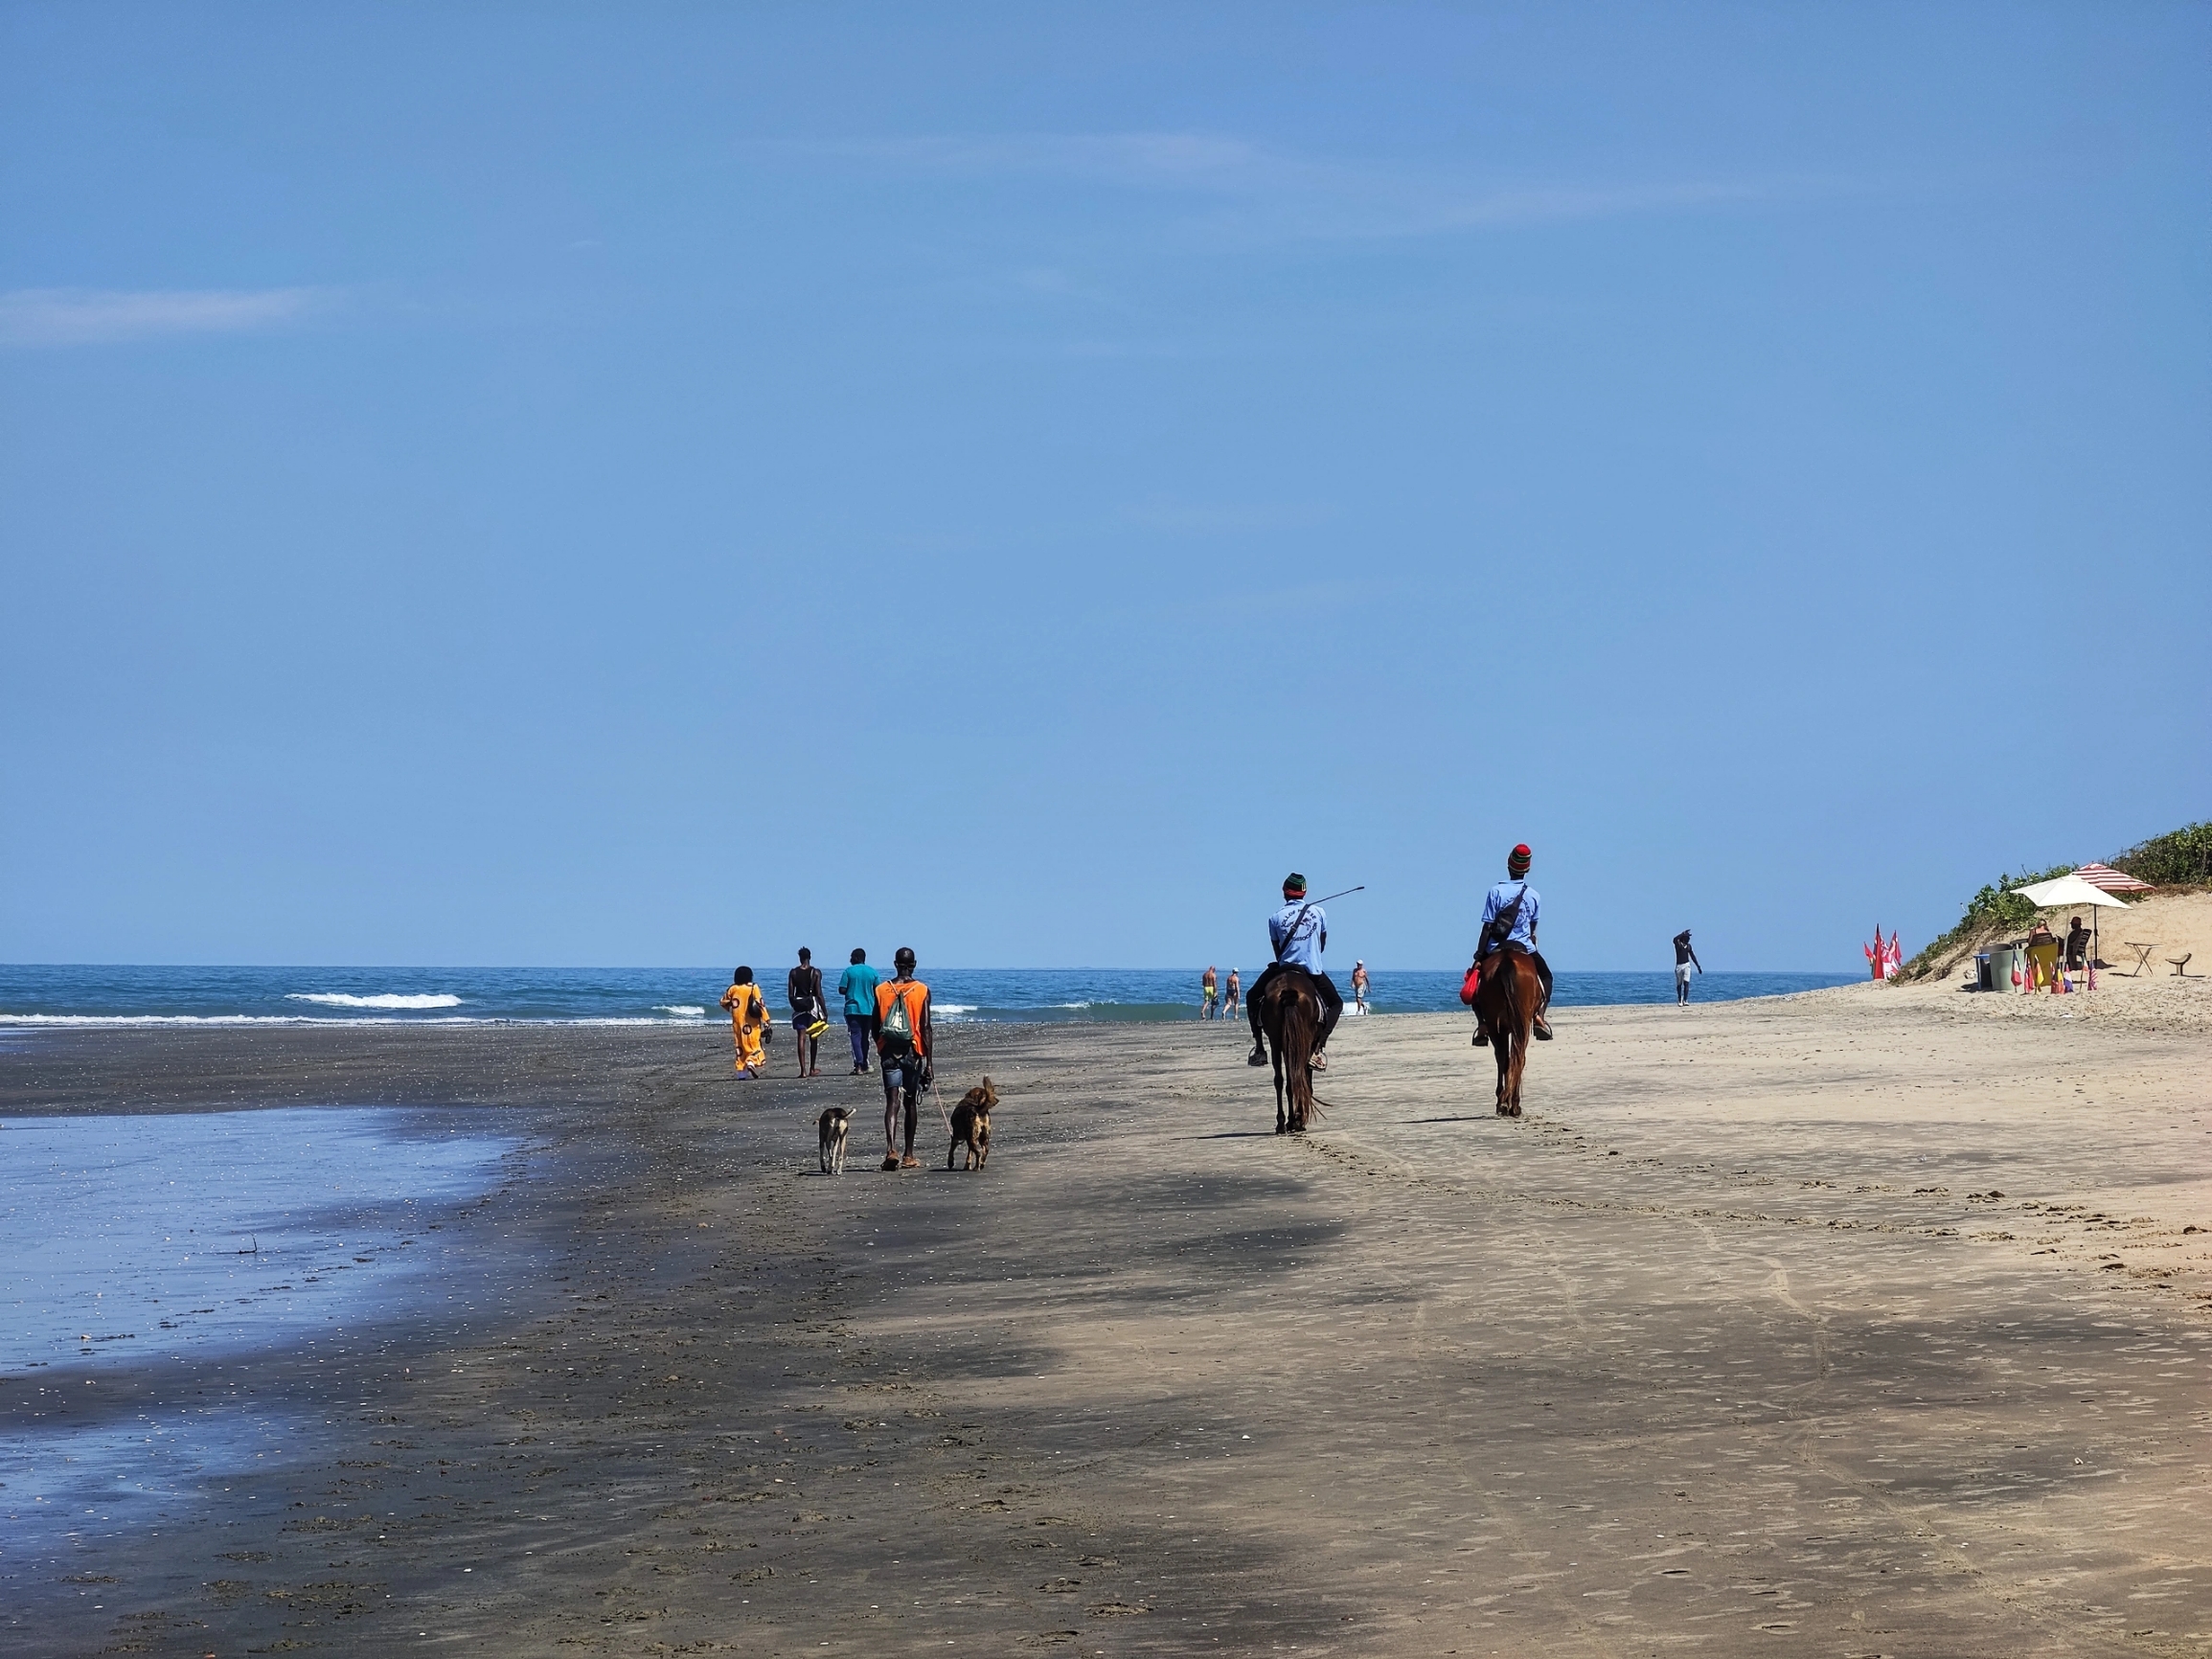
(2179, 858)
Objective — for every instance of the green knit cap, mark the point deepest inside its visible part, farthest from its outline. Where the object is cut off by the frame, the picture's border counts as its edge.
(1293, 882)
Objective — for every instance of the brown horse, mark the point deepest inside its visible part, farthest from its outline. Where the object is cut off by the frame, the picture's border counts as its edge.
(1506, 1005)
(1290, 1014)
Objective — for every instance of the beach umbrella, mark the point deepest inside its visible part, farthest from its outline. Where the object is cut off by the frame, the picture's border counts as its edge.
(2106, 878)
(2069, 891)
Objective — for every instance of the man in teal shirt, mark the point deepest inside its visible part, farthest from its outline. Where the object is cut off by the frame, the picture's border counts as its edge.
(856, 985)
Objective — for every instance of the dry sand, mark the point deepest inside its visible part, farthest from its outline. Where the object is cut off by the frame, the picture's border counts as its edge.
(1863, 1322)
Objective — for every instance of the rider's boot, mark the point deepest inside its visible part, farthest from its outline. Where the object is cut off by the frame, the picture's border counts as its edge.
(1319, 1060)
(1259, 1054)
(1481, 1037)
(1543, 1029)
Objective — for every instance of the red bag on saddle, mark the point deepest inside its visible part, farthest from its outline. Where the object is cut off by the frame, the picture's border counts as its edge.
(1473, 983)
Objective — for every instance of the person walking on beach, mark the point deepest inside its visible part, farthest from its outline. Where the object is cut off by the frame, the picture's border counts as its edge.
(902, 1040)
(1684, 956)
(1515, 895)
(856, 985)
(1234, 998)
(803, 990)
(1211, 992)
(1299, 932)
(1359, 987)
(749, 1020)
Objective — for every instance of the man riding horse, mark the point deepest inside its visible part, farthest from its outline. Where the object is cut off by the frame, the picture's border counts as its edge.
(1509, 918)
(1299, 932)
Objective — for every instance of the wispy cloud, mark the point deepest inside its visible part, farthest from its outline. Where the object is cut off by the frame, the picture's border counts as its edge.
(1288, 192)
(90, 317)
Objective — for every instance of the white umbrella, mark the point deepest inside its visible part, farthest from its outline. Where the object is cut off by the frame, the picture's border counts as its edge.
(2067, 892)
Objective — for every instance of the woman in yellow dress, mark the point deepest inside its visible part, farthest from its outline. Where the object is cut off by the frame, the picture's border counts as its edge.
(749, 1020)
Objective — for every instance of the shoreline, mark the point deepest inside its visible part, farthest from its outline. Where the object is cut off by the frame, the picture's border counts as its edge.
(1740, 1334)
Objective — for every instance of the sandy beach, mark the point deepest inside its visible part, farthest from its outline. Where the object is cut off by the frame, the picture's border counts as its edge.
(1865, 1322)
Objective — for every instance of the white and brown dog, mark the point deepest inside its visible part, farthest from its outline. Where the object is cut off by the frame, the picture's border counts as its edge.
(836, 1124)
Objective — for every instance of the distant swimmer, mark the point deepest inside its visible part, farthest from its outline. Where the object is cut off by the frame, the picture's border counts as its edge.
(803, 990)
(1684, 957)
(1211, 992)
(749, 1020)
(1234, 997)
(1509, 918)
(856, 985)
(1359, 988)
(1299, 932)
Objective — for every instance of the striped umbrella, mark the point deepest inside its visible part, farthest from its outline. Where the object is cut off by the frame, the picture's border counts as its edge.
(2110, 880)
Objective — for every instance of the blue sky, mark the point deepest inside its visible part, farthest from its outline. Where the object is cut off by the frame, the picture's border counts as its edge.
(638, 485)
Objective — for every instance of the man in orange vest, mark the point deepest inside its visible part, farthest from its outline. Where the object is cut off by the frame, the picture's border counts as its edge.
(902, 1040)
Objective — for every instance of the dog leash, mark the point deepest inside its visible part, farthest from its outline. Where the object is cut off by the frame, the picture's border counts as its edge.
(935, 1098)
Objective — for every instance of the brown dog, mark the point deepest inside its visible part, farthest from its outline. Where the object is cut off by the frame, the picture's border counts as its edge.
(971, 1125)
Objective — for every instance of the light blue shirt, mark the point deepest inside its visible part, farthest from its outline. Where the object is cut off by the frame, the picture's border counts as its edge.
(1303, 947)
(1524, 932)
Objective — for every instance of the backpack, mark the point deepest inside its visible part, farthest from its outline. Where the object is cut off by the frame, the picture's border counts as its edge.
(1501, 925)
(897, 1025)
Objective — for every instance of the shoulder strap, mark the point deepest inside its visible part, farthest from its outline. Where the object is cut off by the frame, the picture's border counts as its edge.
(1291, 933)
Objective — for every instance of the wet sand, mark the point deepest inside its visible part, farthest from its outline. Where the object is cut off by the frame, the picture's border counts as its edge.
(1855, 1323)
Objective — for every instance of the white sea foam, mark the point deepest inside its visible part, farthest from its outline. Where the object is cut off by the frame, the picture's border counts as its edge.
(952, 1008)
(683, 1009)
(158, 1019)
(125, 1020)
(383, 999)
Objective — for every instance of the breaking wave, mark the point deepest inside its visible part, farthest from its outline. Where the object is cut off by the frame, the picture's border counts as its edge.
(383, 999)
(681, 1010)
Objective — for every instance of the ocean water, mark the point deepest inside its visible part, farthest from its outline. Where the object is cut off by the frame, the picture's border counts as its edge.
(33, 996)
(192, 1245)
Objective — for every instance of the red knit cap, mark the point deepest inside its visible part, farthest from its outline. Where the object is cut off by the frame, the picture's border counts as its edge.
(1517, 861)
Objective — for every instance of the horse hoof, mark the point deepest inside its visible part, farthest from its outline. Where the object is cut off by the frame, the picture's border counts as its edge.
(1514, 1113)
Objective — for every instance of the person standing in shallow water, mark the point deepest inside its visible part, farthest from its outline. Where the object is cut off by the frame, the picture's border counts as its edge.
(803, 990)
(1684, 956)
(1359, 987)
(749, 1020)
(1234, 997)
(856, 985)
(1210, 991)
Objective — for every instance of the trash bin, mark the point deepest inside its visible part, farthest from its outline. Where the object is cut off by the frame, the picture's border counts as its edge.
(1981, 972)
(2004, 961)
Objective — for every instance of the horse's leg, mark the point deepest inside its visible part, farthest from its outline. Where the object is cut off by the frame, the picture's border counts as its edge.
(1275, 1048)
(1525, 1028)
(1502, 1041)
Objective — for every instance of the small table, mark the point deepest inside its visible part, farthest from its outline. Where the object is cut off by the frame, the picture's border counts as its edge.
(2142, 955)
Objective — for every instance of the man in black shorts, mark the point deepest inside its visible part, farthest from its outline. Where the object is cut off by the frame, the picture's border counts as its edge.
(803, 990)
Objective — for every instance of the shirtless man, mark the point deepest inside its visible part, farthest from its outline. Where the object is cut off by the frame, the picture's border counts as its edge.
(1235, 997)
(1359, 988)
(1212, 992)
